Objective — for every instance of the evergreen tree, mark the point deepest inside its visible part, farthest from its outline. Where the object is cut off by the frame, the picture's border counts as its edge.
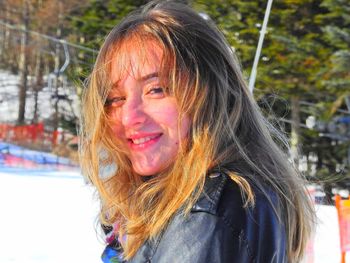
(336, 29)
(92, 23)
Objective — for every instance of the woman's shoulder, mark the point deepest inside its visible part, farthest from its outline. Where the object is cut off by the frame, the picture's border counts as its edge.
(259, 227)
(232, 204)
(224, 198)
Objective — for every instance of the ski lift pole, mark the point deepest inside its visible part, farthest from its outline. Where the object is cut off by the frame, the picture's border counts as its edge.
(66, 61)
(258, 49)
(67, 57)
(58, 71)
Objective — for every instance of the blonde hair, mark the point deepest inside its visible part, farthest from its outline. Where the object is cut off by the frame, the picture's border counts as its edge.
(228, 133)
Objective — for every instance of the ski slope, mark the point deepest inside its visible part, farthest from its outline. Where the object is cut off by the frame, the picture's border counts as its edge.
(50, 216)
(47, 217)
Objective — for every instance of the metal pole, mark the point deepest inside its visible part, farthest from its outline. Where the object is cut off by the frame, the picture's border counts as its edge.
(67, 57)
(260, 43)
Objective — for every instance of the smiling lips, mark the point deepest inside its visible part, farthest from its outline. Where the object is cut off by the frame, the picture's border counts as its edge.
(142, 141)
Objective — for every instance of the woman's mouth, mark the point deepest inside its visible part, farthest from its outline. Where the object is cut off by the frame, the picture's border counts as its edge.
(141, 142)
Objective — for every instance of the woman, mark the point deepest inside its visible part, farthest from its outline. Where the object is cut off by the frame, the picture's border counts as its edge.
(185, 165)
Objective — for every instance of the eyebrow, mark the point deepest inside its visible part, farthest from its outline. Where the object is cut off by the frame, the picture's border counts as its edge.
(149, 76)
(142, 78)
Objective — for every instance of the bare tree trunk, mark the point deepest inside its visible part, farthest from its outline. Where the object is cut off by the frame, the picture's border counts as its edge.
(39, 70)
(56, 86)
(6, 37)
(23, 64)
(295, 132)
(3, 37)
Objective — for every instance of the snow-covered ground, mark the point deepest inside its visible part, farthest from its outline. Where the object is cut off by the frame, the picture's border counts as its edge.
(47, 217)
(326, 241)
(51, 217)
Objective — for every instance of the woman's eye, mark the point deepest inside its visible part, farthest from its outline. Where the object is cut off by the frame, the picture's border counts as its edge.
(158, 91)
(115, 101)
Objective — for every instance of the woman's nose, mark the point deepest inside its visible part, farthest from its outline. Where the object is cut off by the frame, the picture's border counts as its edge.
(133, 113)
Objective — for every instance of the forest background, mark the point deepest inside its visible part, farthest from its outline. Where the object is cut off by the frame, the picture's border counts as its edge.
(302, 85)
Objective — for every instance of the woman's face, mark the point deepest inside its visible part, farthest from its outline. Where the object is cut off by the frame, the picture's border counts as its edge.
(144, 118)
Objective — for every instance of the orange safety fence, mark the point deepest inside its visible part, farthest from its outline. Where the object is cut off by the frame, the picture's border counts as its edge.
(27, 134)
(343, 208)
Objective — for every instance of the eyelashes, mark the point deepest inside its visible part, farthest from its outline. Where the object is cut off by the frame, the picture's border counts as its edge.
(155, 92)
(114, 102)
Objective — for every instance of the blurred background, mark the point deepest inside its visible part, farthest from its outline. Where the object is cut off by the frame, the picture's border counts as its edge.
(47, 49)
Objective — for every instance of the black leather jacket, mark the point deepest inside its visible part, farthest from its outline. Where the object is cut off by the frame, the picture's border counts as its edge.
(220, 230)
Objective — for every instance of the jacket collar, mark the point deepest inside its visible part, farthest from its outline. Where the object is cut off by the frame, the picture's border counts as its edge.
(209, 198)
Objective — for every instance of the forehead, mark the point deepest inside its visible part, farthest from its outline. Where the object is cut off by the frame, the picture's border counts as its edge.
(136, 59)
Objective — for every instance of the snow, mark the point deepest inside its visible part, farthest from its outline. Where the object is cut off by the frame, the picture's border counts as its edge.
(47, 217)
(327, 242)
(50, 216)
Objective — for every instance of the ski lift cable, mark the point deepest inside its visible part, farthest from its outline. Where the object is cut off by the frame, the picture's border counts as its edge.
(48, 51)
(48, 37)
(259, 47)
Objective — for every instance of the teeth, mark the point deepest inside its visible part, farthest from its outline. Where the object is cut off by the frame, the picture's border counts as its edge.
(143, 140)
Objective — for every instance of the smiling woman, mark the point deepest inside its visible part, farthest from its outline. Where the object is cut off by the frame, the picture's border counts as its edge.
(142, 116)
(193, 170)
